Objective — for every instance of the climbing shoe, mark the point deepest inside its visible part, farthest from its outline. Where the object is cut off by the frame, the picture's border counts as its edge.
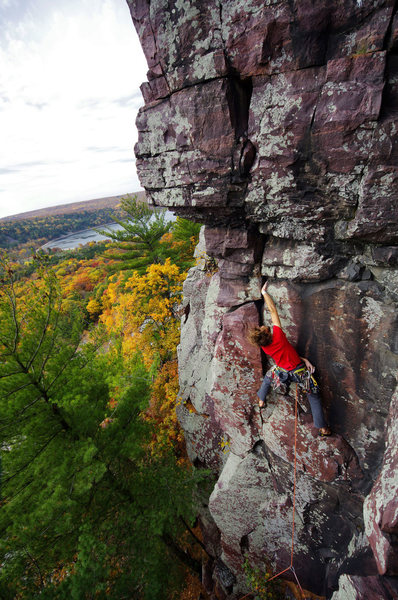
(325, 432)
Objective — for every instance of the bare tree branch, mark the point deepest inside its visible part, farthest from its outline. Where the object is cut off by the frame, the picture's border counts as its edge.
(5, 375)
(70, 358)
(18, 389)
(51, 348)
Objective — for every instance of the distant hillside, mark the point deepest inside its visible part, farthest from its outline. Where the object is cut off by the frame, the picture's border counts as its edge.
(75, 207)
(40, 226)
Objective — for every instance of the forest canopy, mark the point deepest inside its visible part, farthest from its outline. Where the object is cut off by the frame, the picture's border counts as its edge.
(97, 492)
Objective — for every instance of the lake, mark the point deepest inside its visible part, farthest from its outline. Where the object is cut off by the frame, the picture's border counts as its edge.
(74, 240)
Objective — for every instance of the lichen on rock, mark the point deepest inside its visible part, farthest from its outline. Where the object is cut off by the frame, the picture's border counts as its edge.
(275, 124)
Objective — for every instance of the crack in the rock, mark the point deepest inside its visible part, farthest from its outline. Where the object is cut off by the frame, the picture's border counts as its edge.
(224, 45)
(388, 47)
(362, 174)
(237, 306)
(244, 542)
(259, 304)
(187, 310)
(187, 85)
(239, 95)
(387, 36)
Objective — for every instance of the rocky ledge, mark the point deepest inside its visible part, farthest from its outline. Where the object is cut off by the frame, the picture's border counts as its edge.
(275, 124)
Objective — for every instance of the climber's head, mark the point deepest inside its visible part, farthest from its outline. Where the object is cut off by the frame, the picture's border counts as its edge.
(260, 336)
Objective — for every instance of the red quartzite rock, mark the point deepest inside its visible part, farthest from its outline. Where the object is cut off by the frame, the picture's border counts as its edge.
(325, 459)
(199, 336)
(178, 143)
(204, 438)
(252, 504)
(276, 125)
(365, 588)
(302, 82)
(381, 506)
(236, 370)
(298, 262)
(377, 214)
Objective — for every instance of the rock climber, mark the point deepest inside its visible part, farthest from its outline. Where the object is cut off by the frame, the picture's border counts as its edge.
(289, 366)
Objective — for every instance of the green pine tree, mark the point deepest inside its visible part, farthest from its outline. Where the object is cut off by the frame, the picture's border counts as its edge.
(137, 244)
(186, 231)
(86, 511)
(185, 235)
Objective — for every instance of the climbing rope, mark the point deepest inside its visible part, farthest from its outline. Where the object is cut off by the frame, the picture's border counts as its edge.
(291, 567)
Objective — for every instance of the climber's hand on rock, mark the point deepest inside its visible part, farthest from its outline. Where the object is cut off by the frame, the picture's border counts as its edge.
(309, 365)
(264, 288)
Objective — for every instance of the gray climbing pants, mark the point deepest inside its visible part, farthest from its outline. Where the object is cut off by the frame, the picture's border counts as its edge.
(312, 394)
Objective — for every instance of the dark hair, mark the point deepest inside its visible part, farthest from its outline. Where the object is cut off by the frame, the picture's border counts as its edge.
(260, 336)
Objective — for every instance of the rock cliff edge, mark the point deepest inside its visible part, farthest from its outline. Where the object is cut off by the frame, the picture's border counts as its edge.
(275, 124)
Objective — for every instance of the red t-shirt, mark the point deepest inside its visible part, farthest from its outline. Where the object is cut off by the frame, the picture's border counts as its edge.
(282, 351)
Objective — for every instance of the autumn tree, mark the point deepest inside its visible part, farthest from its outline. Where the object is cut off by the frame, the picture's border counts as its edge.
(87, 510)
(142, 314)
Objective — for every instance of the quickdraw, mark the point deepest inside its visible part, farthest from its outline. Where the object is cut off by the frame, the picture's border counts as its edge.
(276, 374)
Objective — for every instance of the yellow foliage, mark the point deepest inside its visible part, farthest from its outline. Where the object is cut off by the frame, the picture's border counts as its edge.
(143, 311)
(162, 411)
(93, 307)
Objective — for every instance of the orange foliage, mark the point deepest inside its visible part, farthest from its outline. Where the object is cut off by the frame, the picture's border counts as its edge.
(61, 573)
(80, 276)
(82, 282)
(193, 588)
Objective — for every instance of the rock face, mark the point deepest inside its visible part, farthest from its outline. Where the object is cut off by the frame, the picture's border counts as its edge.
(275, 124)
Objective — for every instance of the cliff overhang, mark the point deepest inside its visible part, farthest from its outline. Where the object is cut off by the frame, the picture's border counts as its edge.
(275, 124)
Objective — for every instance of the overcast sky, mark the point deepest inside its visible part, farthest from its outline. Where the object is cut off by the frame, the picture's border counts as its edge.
(70, 72)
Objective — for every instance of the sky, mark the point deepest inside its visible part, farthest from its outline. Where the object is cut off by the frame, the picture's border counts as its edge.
(70, 72)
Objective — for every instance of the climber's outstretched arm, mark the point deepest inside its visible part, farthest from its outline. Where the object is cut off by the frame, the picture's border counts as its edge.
(270, 305)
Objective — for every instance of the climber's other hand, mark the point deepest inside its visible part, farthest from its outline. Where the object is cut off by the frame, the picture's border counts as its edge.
(309, 365)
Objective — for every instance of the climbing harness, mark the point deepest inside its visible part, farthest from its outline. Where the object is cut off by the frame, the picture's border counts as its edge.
(291, 567)
(300, 375)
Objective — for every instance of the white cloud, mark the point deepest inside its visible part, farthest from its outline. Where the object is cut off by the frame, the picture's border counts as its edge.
(68, 99)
